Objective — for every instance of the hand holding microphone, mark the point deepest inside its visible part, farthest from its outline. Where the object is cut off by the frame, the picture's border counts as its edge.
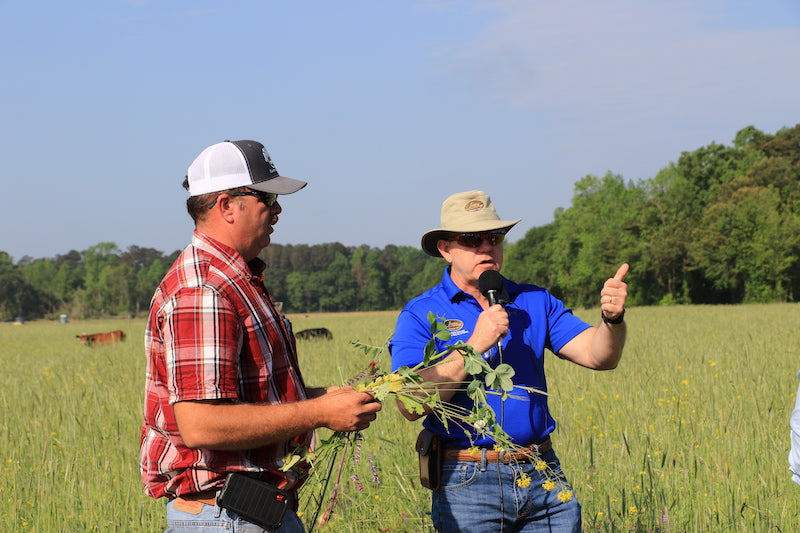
(490, 283)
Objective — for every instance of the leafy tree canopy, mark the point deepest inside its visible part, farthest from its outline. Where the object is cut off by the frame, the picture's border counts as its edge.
(721, 224)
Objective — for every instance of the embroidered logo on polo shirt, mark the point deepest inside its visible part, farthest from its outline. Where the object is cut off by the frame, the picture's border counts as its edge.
(453, 324)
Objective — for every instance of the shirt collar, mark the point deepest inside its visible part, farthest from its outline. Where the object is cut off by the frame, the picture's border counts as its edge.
(255, 268)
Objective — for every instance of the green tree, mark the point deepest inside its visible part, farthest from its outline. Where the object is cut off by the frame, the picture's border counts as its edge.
(299, 295)
(38, 275)
(337, 288)
(67, 281)
(119, 283)
(594, 236)
(532, 259)
(371, 279)
(12, 289)
(410, 272)
(746, 245)
(666, 228)
(95, 299)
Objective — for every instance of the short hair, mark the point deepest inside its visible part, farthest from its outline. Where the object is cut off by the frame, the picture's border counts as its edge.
(197, 206)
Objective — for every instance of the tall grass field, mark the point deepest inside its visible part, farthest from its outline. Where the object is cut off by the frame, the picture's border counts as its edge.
(689, 434)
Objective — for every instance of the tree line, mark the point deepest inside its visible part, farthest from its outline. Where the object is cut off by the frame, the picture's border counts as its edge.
(719, 225)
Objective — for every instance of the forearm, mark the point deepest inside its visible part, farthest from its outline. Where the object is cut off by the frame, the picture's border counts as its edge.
(230, 426)
(444, 378)
(607, 344)
(222, 426)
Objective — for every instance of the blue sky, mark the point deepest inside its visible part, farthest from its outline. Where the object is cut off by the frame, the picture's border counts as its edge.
(384, 107)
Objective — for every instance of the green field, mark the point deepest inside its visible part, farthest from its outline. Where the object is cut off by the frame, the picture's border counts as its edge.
(690, 433)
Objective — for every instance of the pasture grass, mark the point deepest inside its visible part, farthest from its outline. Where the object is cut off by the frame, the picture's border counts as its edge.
(690, 433)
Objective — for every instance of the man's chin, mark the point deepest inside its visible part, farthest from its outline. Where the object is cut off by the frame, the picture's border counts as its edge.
(268, 236)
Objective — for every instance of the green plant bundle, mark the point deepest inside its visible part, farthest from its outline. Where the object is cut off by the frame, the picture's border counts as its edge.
(329, 457)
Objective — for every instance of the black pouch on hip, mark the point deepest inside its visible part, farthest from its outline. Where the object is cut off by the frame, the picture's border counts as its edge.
(429, 448)
(257, 501)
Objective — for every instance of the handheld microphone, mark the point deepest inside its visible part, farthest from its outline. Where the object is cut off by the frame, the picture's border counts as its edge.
(490, 284)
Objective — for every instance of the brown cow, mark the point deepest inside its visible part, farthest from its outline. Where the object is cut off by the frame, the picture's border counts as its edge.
(92, 339)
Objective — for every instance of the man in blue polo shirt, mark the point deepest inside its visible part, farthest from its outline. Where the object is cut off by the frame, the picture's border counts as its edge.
(479, 492)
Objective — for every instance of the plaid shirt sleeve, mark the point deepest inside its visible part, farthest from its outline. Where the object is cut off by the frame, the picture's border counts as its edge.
(202, 339)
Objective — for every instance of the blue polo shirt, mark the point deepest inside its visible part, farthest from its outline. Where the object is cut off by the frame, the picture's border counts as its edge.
(537, 320)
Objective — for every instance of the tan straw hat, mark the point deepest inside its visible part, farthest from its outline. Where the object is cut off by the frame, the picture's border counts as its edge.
(465, 212)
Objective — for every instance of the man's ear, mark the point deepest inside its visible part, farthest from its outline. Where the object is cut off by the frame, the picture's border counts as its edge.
(444, 248)
(226, 206)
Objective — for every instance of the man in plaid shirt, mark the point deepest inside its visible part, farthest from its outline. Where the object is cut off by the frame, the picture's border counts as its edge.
(224, 392)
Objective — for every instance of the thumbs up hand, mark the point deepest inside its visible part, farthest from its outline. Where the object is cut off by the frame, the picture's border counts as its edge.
(614, 295)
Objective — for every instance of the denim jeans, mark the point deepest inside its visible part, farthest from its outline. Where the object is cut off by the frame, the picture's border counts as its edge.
(484, 497)
(214, 519)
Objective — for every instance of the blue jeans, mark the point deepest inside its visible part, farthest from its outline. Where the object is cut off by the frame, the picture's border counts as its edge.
(483, 497)
(215, 519)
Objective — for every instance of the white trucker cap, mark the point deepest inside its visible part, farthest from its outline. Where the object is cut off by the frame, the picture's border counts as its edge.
(232, 164)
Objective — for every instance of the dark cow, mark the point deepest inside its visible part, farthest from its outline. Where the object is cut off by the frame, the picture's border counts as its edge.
(314, 333)
(92, 339)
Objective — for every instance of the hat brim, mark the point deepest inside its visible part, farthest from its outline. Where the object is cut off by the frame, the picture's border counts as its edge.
(278, 185)
(431, 238)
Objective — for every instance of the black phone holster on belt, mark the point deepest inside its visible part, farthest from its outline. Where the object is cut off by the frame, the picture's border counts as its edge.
(257, 501)
(429, 449)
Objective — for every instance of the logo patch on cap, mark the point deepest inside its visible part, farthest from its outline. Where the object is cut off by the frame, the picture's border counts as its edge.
(474, 205)
(270, 165)
(453, 324)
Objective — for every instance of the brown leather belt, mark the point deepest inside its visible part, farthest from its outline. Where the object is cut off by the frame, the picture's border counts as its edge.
(492, 456)
(208, 497)
(193, 503)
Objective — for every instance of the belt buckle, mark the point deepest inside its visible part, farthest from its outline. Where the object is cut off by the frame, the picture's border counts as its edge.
(504, 456)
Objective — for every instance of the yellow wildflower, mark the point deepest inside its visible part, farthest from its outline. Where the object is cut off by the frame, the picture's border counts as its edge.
(633, 510)
(540, 465)
(396, 382)
(524, 480)
(474, 450)
(565, 495)
(549, 484)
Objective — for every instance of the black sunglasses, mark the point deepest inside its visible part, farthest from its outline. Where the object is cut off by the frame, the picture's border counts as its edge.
(266, 198)
(475, 239)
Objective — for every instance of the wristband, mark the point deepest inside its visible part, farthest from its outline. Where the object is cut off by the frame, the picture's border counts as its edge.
(617, 320)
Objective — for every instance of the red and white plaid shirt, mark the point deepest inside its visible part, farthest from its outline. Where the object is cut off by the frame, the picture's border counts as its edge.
(213, 334)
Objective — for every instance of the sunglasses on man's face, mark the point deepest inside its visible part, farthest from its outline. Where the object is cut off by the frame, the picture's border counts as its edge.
(475, 239)
(266, 198)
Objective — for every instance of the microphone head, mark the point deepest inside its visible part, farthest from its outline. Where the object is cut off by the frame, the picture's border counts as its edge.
(490, 280)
